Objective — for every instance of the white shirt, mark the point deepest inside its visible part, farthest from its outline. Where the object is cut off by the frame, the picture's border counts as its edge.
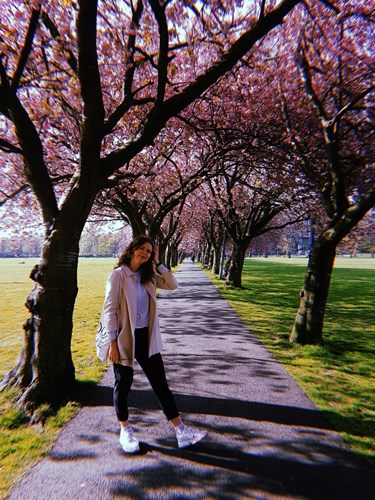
(143, 304)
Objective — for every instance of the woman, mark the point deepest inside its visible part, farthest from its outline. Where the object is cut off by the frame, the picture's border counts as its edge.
(131, 320)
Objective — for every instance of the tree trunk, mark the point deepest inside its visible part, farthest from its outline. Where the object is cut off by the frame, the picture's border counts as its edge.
(234, 272)
(216, 261)
(44, 371)
(162, 253)
(222, 257)
(174, 255)
(206, 256)
(210, 264)
(308, 325)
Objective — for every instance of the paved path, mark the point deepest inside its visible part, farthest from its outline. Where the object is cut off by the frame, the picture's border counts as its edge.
(266, 439)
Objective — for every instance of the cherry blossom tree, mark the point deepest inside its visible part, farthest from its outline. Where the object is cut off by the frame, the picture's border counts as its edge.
(85, 88)
(250, 204)
(258, 179)
(214, 231)
(152, 203)
(337, 72)
(193, 218)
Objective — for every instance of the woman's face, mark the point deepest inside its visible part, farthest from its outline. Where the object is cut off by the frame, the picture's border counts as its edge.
(142, 254)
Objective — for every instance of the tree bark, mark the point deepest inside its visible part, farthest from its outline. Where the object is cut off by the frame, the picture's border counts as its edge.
(44, 371)
(308, 324)
(206, 256)
(234, 271)
(216, 260)
(174, 255)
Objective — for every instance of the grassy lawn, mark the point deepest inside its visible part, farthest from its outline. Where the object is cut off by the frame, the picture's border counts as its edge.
(20, 445)
(339, 375)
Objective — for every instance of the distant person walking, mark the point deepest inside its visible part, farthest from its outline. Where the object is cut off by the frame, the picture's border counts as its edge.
(131, 321)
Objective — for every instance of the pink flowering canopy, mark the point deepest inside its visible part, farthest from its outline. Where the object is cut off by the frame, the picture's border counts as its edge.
(39, 54)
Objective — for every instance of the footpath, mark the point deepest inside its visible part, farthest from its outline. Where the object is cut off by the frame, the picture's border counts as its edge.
(266, 438)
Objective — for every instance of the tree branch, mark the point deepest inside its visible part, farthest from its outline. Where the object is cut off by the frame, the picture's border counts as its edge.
(352, 215)
(35, 169)
(52, 28)
(26, 49)
(262, 9)
(175, 104)
(306, 77)
(127, 102)
(350, 105)
(6, 197)
(88, 71)
(159, 12)
(8, 147)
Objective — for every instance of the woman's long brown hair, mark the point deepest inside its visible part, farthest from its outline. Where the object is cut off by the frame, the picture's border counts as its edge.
(146, 270)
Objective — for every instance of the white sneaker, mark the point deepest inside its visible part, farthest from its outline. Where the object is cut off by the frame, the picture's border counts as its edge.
(187, 436)
(127, 440)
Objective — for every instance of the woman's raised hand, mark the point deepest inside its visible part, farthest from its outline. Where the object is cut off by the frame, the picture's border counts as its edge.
(156, 254)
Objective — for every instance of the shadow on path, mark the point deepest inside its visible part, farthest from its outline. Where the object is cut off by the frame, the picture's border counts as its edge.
(285, 415)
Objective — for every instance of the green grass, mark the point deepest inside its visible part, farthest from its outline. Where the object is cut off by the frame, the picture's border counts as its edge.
(20, 444)
(338, 375)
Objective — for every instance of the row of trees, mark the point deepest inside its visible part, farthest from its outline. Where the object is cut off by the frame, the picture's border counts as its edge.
(294, 240)
(103, 243)
(217, 125)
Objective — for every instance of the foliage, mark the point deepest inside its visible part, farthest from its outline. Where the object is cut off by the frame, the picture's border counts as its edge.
(362, 238)
(141, 61)
(337, 375)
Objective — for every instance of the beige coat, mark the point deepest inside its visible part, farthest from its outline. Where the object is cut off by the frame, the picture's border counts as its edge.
(120, 309)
